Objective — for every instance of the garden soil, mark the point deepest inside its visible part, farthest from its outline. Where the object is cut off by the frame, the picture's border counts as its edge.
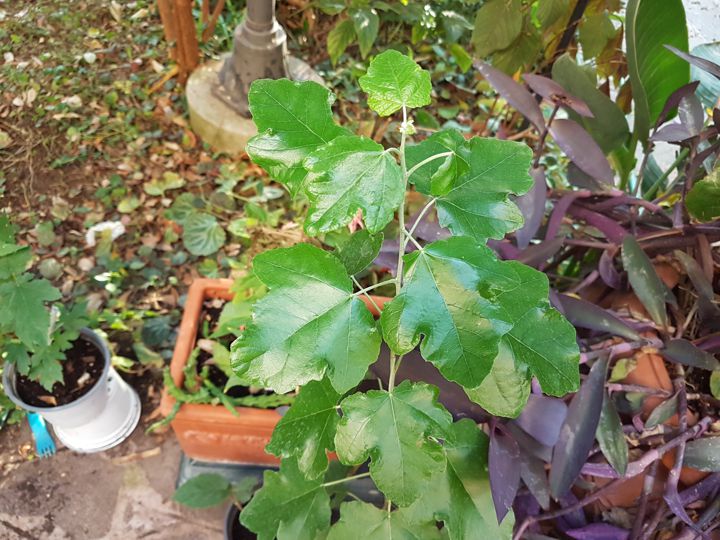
(122, 494)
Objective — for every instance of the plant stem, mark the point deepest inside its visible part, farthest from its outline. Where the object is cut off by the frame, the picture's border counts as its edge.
(371, 287)
(421, 215)
(543, 137)
(415, 242)
(402, 241)
(346, 479)
(394, 366)
(363, 291)
(426, 161)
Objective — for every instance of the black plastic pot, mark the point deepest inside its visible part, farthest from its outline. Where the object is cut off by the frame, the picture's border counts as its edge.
(233, 528)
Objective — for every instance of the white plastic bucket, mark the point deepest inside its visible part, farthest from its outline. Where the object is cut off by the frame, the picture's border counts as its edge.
(100, 419)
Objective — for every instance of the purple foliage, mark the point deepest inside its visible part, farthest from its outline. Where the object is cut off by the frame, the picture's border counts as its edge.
(532, 206)
(577, 434)
(582, 149)
(504, 472)
(599, 531)
(514, 93)
(555, 93)
(542, 418)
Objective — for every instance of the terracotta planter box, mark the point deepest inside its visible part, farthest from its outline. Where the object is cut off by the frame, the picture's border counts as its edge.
(211, 432)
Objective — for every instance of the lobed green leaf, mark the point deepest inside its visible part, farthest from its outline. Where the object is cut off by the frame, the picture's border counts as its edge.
(394, 430)
(394, 81)
(310, 324)
(350, 174)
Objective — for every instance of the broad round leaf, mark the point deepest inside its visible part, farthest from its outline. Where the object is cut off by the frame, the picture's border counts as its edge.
(307, 430)
(203, 491)
(394, 81)
(310, 324)
(288, 506)
(350, 174)
(363, 520)
(440, 299)
(202, 234)
(394, 430)
(293, 119)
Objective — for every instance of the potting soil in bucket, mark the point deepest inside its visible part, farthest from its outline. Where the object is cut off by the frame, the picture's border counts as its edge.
(102, 417)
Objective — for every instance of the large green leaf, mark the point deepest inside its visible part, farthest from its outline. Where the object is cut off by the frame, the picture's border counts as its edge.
(308, 325)
(541, 337)
(350, 174)
(363, 520)
(655, 72)
(202, 234)
(478, 204)
(506, 389)
(460, 495)
(288, 506)
(394, 81)
(307, 430)
(293, 120)
(203, 491)
(24, 311)
(608, 126)
(487, 171)
(497, 24)
(441, 300)
(703, 200)
(394, 430)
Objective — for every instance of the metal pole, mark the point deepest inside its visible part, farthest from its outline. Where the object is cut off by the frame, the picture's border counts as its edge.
(259, 52)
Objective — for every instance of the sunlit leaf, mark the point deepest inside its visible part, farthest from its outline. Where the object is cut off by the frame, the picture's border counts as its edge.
(350, 174)
(460, 495)
(310, 324)
(394, 81)
(363, 520)
(307, 430)
(293, 120)
(394, 430)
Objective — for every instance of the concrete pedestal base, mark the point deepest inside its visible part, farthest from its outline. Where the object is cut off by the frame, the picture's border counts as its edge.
(218, 124)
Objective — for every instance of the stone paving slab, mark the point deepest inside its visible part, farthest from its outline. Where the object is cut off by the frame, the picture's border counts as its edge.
(122, 494)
